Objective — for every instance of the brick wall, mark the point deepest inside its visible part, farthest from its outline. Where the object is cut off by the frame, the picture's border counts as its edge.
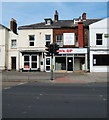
(64, 30)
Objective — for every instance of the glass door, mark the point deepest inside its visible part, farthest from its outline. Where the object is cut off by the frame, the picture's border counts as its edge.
(48, 64)
(70, 64)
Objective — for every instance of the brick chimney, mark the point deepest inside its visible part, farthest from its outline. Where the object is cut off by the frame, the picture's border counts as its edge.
(56, 16)
(80, 34)
(13, 25)
(84, 16)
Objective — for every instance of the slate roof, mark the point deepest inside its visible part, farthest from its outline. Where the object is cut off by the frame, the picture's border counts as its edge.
(2, 26)
(58, 24)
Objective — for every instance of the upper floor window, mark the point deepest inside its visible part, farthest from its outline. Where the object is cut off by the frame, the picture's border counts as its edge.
(48, 39)
(31, 40)
(59, 40)
(99, 39)
(13, 43)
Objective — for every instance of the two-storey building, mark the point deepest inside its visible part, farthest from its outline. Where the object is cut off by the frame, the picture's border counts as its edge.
(4, 37)
(99, 46)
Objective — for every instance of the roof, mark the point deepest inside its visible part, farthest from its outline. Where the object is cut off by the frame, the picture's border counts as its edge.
(2, 26)
(58, 24)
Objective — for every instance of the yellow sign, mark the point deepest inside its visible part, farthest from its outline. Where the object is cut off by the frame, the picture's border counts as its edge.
(52, 66)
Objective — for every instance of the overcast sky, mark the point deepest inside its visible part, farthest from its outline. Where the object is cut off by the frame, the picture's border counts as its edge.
(27, 13)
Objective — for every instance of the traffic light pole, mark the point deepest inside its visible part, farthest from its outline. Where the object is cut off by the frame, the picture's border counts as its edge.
(51, 67)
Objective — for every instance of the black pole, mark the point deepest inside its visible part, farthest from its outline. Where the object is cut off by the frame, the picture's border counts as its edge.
(52, 67)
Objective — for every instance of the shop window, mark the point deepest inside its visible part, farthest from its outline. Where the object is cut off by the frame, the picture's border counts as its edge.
(59, 40)
(60, 63)
(99, 39)
(34, 61)
(27, 62)
(13, 43)
(48, 39)
(101, 60)
(31, 40)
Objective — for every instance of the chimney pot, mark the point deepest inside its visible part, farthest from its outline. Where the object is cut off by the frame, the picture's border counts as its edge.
(84, 16)
(56, 16)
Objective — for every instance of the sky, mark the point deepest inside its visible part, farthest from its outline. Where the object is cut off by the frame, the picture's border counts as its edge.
(26, 13)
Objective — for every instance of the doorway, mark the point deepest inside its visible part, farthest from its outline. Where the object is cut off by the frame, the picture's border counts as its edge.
(13, 63)
(70, 64)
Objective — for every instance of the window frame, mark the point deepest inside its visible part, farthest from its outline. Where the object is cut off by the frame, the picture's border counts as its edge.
(99, 40)
(13, 45)
(102, 58)
(59, 41)
(31, 40)
(48, 40)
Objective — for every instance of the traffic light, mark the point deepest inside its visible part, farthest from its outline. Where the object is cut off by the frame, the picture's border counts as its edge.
(51, 48)
(47, 49)
(56, 48)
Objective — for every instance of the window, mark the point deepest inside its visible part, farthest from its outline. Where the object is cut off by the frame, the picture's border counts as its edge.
(30, 61)
(99, 39)
(26, 61)
(60, 63)
(33, 61)
(48, 39)
(31, 40)
(13, 43)
(59, 40)
(101, 60)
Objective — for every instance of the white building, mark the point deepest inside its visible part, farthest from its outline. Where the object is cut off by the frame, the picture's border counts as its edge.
(99, 46)
(4, 36)
(31, 46)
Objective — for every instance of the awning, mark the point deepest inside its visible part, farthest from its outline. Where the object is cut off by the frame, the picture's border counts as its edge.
(32, 51)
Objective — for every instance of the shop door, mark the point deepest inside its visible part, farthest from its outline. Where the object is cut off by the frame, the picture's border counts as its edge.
(13, 63)
(70, 64)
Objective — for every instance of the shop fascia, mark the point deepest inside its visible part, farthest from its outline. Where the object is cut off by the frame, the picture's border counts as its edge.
(72, 50)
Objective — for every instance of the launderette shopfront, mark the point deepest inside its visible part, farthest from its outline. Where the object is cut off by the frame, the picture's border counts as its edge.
(71, 59)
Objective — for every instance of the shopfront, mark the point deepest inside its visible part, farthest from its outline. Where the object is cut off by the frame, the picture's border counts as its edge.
(30, 60)
(71, 59)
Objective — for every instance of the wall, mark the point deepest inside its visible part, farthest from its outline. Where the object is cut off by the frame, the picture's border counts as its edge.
(3, 47)
(63, 30)
(98, 27)
(13, 52)
(39, 43)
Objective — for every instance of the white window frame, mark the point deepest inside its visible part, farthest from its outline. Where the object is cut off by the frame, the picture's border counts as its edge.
(15, 44)
(99, 39)
(34, 62)
(31, 40)
(27, 62)
(60, 41)
(49, 39)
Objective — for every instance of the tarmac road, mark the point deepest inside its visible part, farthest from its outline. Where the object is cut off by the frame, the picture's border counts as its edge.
(55, 100)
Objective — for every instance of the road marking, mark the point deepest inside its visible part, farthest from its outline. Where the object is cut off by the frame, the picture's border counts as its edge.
(104, 99)
(7, 88)
(21, 83)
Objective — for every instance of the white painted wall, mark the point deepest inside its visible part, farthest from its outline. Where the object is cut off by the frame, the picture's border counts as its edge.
(23, 40)
(13, 52)
(39, 43)
(98, 27)
(4, 33)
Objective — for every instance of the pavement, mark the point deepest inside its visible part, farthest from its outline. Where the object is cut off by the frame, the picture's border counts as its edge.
(12, 78)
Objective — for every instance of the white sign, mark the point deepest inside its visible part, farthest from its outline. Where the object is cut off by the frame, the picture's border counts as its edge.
(68, 38)
(72, 50)
(94, 61)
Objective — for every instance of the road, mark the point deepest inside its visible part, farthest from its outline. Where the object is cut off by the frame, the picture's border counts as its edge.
(55, 100)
